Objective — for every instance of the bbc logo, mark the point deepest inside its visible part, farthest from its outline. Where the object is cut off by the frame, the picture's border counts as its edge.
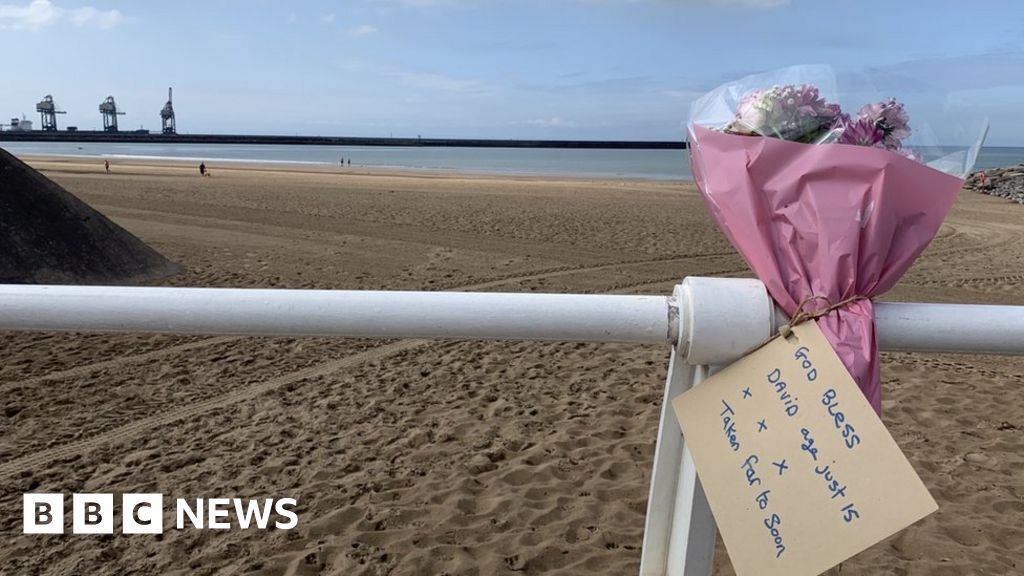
(93, 513)
(144, 513)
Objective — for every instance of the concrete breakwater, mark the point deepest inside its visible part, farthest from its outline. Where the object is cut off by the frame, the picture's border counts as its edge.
(138, 137)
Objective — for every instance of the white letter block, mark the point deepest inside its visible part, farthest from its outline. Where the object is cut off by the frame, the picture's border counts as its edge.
(43, 513)
(142, 513)
(92, 514)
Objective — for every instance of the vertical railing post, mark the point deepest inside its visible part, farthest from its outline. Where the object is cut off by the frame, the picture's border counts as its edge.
(679, 533)
(719, 319)
(691, 548)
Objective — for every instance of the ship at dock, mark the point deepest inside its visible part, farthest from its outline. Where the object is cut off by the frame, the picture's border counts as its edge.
(18, 125)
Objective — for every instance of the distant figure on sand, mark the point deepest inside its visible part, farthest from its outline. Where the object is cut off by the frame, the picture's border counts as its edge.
(342, 160)
(202, 168)
(106, 165)
(349, 161)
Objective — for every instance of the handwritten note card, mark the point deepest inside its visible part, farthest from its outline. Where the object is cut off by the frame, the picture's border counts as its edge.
(799, 471)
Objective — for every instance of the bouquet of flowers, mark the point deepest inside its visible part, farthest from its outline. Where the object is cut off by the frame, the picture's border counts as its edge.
(826, 207)
(800, 114)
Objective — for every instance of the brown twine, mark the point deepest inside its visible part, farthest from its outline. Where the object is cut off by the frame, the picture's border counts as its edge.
(802, 316)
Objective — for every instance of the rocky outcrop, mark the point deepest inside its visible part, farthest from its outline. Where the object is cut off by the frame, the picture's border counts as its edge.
(1002, 182)
(48, 236)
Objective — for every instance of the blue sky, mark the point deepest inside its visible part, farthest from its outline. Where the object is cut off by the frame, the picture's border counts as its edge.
(605, 69)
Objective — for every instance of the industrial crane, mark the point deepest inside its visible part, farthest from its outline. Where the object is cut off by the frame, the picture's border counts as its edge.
(48, 111)
(110, 113)
(167, 116)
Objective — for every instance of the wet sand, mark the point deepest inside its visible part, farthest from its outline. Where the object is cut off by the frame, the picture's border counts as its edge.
(418, 457)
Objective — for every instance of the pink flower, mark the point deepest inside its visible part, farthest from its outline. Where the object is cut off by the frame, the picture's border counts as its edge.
(862, 132)
(891, 118)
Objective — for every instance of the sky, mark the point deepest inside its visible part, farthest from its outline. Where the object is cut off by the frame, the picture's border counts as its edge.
(547, 69)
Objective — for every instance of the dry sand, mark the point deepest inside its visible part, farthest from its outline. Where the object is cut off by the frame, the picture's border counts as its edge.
(416, 457)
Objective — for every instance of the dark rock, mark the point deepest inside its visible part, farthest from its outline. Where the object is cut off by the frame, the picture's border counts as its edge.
(48, 236)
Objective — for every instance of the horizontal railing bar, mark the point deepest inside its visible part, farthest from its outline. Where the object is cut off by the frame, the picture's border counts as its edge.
(909, 327)
(349, 313)
(963, 328)
(955, 328)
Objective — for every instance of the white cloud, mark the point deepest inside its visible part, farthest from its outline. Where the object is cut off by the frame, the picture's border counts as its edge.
(89, 16)
(327, 19)
(553, 122)
(39, 14)
(32, 16)
(363, 30)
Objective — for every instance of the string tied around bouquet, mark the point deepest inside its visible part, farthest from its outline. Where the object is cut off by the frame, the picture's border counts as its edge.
(802, 315)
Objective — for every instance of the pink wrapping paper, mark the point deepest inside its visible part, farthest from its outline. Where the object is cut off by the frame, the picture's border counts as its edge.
(829, 220)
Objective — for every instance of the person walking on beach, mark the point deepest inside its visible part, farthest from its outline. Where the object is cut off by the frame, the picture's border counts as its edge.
(202, 168)
(106, 165)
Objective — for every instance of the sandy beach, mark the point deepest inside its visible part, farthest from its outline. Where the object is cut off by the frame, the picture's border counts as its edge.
(422, 457)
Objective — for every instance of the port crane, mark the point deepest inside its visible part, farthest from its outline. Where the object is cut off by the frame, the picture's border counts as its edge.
(48, 112)
(167, 116)
(110, 113)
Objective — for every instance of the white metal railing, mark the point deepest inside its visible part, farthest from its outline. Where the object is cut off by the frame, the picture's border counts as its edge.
(703, 313)
(707, 321)
(352, 313)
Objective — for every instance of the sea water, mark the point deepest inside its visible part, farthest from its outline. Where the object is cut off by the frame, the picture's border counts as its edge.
(595, 163)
